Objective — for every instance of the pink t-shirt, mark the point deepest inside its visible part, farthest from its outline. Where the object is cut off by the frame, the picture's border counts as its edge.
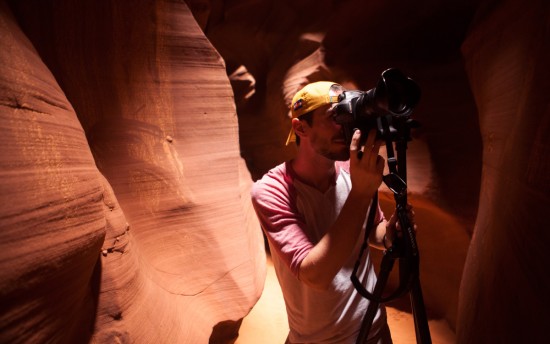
(295, 216)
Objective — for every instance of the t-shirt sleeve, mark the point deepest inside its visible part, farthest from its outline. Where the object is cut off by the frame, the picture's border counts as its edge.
(281, 223)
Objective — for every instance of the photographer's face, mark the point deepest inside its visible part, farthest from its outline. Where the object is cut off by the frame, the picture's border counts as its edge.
(326, 136)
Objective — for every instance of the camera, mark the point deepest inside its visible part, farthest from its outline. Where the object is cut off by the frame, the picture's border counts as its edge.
(392, 100)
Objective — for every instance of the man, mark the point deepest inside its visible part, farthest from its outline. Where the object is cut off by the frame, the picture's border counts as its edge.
(313, 211)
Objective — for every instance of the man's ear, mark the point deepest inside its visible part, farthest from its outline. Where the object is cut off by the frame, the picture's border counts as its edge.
(298, 127)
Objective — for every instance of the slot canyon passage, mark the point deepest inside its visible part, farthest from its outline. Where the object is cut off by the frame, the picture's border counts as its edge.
(131, 133)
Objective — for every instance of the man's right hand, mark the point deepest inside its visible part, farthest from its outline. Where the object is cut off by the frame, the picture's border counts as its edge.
(366, 166)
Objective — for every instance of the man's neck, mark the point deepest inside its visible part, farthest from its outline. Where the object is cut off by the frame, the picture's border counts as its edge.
(316, 171)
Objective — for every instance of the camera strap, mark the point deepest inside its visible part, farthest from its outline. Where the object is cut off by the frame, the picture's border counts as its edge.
(368, 228)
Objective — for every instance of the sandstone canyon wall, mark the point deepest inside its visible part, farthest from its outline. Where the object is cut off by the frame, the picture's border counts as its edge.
(504, 292)
(125, 205)
(125, 212)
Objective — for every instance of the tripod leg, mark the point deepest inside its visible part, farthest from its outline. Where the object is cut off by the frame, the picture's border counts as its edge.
(419, 314)
(385, 270)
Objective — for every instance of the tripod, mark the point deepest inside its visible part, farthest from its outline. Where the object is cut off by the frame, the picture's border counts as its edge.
(404, 248)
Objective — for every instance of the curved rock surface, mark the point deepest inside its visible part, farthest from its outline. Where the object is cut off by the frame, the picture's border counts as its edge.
(165, 247)
(125, 168)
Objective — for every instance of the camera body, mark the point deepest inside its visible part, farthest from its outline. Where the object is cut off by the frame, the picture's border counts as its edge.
(393, 99)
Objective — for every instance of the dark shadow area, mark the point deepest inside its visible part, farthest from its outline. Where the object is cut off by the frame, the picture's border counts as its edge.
(225, 332)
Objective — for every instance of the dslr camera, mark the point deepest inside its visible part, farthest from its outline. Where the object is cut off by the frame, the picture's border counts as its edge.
(390, 102)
